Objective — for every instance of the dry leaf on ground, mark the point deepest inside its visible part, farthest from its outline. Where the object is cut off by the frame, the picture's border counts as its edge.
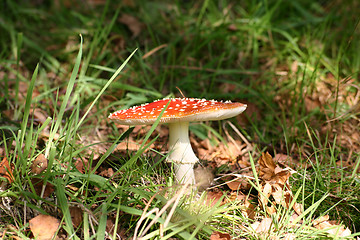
(263, 226)
(132, 23)
(275, 183)
(220, 236)
(38, 184)
(43, 227)
(331, 227)
(250, 211)
(225, 154)
(39, 164)
(213, 197)
(266, 167)
(5, 170)
(237, 183)
(76, 216)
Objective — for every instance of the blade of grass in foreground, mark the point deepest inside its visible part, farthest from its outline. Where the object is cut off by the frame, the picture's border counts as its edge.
(69, 89)
(102, 223)
(26, 117)
(64, 206)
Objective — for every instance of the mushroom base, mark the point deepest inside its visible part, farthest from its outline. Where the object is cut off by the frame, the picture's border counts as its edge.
(184, 173)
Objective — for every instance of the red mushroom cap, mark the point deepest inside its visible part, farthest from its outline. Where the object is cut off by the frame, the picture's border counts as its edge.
(179, 110)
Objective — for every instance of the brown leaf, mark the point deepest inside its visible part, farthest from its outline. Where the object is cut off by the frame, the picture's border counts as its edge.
(40, 115)
(264, 225)
(39, 164)
(281, 175)
(43, 227)
(298, 208)
(250, 209)
(212, 198)
(264, 196)
(76, 216)
(275, 184)
(283, 158)
(128, 146)
(290, 236)
(107, 172)
(38, 186)
(320, 219)
(278, 194)
(323, 223)
(235, 184)
(132, 23)
(225, 153)
(266, 167)
(6, 170)
(337, 230)
(220, 236)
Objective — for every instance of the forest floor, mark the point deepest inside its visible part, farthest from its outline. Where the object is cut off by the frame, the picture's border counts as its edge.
(286, 168)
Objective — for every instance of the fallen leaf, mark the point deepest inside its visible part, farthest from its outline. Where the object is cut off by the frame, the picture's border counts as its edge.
(132, 23)
(250, 210)
(320, 219)
(290, 236)
(275, 183)
(76, 216)
(237, 183)
(5, 170)
(39, 164)
(220, 236)
(38, 186)
(213, 197)
(264, 225)
(283, 158)
(43, 227)
(107, 172)
(128, 146)
(266, 167)
(265, 194)
(298, 208)
(281, 175)
(331, 227)
(225, 153)
(40, 115)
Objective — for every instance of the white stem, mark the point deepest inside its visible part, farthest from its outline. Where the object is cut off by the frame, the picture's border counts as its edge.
(181, 152)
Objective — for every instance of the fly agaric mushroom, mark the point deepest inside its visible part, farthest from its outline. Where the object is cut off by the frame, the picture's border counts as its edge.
(178, 114)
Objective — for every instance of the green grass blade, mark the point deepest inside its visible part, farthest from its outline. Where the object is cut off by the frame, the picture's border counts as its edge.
(65, 101)
(64, 206)
(102, 223)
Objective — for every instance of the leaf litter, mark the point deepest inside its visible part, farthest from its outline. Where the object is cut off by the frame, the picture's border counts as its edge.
(274, 188)
(274, 194)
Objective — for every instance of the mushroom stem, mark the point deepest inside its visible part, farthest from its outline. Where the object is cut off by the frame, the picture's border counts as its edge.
(181, 152)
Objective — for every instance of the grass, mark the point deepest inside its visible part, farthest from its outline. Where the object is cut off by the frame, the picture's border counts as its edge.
(295, 63)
